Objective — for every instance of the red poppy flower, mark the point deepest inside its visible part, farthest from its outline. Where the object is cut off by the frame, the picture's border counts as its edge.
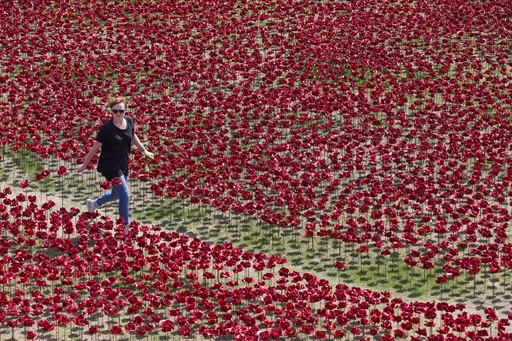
(31, 335)
(115, 181)
(42, 174)
(116, 330)
(62, 170)
(105, 184)
(167, 326)
(93, 330)
(339, 265)
(185, 331)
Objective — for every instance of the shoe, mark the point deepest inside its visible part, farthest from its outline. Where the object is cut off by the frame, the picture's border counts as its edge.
(91, 205)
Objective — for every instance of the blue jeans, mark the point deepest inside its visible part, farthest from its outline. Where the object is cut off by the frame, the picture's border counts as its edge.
(118, 192)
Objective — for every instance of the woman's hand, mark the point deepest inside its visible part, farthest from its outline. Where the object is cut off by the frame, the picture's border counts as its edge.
(87, 161)
(82, 167)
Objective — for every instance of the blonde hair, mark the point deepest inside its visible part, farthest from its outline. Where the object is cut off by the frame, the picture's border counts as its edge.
(116, 100)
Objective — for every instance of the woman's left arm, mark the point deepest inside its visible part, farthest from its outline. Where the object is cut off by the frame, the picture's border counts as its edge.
(136, 142)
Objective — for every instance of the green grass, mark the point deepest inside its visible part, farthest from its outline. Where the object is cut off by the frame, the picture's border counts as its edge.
(26, 162)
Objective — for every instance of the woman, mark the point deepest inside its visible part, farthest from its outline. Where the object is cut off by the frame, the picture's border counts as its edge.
(115, 138)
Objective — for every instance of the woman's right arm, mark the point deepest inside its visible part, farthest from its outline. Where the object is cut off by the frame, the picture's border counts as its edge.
(94, 149)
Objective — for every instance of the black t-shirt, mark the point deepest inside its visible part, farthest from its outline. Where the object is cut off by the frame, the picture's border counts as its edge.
(115, 148)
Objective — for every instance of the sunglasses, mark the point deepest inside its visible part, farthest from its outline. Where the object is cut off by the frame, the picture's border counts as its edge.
(117, 111)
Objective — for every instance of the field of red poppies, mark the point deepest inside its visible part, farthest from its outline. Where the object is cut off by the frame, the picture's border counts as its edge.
(323, 170)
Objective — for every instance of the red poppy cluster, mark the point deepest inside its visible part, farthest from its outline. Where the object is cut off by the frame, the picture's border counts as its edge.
(379, 123)
(166, 282)
(321, 113)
